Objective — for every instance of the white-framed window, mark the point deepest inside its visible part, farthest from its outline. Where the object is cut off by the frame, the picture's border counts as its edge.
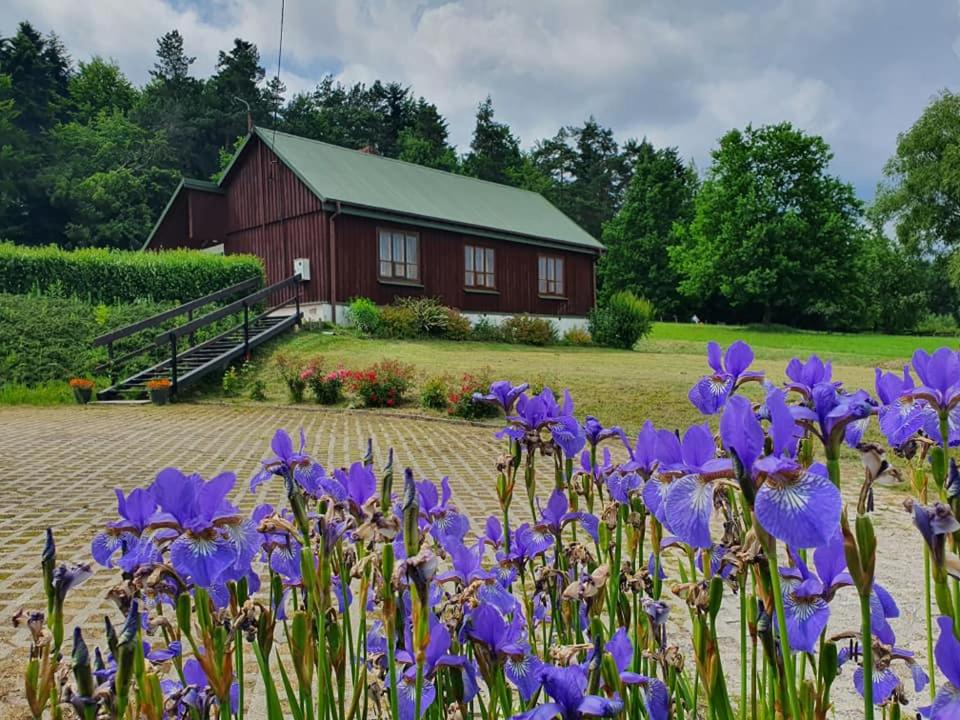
(478, 267)
(550, 275)
(399, 255)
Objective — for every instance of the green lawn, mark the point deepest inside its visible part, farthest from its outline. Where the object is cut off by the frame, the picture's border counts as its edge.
(617, 386)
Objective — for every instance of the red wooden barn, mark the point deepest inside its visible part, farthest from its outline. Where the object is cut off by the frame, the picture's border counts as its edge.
(357, 224)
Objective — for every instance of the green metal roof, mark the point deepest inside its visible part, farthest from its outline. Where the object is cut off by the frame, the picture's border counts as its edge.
(384, 184)
(205, 185)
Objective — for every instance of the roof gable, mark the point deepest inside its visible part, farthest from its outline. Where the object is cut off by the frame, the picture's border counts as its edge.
(355, 178)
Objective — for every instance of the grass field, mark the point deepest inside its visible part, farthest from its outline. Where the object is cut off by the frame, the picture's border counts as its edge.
(619, 387)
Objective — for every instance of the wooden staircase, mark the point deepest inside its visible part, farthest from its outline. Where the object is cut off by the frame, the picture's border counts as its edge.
(186, 363)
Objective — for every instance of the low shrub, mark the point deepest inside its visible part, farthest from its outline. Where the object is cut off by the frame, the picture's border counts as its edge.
(326, 386)
(364, 314)
(231, 383)
(461, 402)
(577, 335)
(938, 324)
(290, 372)
(430, 317)
(258, 390)
(46, 338)
(112, 276)
(383, 384)
(435, 390)
(458, 325)
(529, 330)
(622, 321)
(397, 323)
(485, 330)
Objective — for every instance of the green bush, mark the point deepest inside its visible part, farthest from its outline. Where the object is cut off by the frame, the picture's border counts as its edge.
(529, 330)
(258, 390)
(291, 372)
(577, 335)
(364, 314)
(458, 325)
(398, 323)
(326, 386)
(113, 276)
(436, 388)
(383, 384)
(622, 321)
(461, 399)
(486, 331)
(429, 315)
(936, 324)
(48, 338)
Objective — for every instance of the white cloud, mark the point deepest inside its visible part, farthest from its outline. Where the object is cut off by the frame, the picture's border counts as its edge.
(679, 73)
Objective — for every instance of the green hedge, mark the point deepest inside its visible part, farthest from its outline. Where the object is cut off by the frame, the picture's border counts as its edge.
(47, 338)
(113, 276)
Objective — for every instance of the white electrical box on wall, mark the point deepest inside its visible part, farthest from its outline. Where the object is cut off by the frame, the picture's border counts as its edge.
(301, 267)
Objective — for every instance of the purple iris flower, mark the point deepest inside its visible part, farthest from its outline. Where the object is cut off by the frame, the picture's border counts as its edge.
(656, 696)
(314, 481)
(197, 513)
(901, 415)
(935, 522)
(284, 459)
(199, 687)
(836, 416)
(493, 531)
(539, 412)
(795, 504)
(555, 516)
(437, 657)
(688, 501)
(940, 375)
(502, 393)
(567, 687)
(803, 376)
(597, 433)
(598, 470)
(359, 485)
(135, 509)
(710, 393)
(487, 626)
(806, 596)
(623, 484)
(946, 704)
(467, 565)
(643, 455)
(885, 680)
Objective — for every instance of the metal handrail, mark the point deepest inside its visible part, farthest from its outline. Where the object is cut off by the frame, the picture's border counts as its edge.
(238, 306)
(159, 318)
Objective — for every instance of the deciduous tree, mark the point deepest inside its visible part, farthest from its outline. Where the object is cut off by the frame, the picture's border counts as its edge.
(774, 235)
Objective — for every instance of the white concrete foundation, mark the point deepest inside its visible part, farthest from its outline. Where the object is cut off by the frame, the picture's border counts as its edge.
(320, 312)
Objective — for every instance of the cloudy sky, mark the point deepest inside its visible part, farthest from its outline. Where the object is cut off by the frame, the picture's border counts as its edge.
(680, 73)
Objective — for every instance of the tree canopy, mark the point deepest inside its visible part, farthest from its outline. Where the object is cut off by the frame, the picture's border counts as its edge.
(771, 230)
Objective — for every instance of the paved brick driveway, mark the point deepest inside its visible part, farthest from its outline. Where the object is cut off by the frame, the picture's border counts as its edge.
(58, 468)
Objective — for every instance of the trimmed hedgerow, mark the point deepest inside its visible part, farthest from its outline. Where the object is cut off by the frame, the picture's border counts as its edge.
(113, 276)
(48, 338)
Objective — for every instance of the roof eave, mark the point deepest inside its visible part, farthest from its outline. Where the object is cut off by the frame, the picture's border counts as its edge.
(349, 208)
(163, 214)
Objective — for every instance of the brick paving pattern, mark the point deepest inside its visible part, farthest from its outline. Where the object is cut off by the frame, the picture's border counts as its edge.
(59, 466)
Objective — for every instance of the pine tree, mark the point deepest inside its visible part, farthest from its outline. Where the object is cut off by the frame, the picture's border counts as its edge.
(494, 150)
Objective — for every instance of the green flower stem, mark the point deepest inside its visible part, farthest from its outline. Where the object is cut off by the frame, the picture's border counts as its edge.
(866, 643)
(743, 647)
(419, 689)
(788, 666)
(833, 470)
(928, 607)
